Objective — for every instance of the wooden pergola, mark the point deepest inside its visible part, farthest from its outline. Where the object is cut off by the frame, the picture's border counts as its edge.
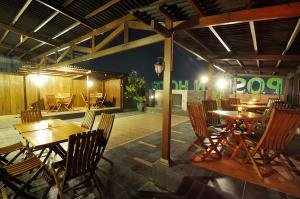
(236, 37)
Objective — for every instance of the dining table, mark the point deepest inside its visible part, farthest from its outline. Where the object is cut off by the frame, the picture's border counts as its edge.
(48, 134)
(239, 123)
(254, 103)
(248, 107)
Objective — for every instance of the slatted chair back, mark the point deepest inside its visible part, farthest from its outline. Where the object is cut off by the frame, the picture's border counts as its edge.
(88, 120)
(84, 153)
(277, 105)
(272, 100)
(31, 116)
(102, 100)
(234, 101)
(51, 100)
(106, 123)
(84, 99)
(198, 120)
(280, 130)
(210, 105)
(71, 101)
(225, 104)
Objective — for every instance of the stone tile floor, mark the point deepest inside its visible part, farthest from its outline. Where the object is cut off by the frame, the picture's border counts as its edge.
(134, 162)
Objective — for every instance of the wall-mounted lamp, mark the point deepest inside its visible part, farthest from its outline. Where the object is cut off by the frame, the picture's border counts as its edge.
(159, 65)
(90, 83)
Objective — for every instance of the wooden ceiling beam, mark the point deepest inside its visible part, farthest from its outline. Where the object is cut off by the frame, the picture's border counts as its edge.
(195, 38)
(258, 14)
(102, 8)
(196, 7)
(103, 29)
(116, 49)
(9, 47)
(137, 25)
(109, 38)
(32, 49)
(27, 34)
(291, 41)
(260, 57)
(67, 13)
(263, 69)
(18, 44)
(16, 18)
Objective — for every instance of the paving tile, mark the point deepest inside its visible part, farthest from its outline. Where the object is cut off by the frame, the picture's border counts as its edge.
(253, 191)
(227, 184)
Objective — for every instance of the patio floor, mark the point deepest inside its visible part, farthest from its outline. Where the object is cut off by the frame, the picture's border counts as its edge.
(134, 160)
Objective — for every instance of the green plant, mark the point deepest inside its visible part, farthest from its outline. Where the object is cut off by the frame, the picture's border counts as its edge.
(135, 87)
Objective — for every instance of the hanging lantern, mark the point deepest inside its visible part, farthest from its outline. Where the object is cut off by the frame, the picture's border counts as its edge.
(159, 66)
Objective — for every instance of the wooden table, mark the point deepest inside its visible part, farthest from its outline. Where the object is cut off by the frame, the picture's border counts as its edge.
(48, 134)
(255, 103)
(251, 107)
(249, 119)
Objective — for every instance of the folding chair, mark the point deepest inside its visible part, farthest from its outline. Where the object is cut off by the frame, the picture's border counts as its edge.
(225, 104)
(212, 119)
(280, 130)
(88, 120)
(106, 123)
(31, 116)
(85, 100)
(51, 102)
(198, 121)
(84, 153)
(31, 164)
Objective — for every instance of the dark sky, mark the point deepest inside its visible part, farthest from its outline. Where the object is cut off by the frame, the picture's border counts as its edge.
(186, 66)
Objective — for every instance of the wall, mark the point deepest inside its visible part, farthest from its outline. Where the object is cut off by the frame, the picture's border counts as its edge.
(113, 91)
(11, 94)
(12, 90)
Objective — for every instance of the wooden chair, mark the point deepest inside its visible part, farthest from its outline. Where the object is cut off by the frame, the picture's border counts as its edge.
(31, 116)
(211, 119)
(278, 134)
(67, 104)
(33, 166)
(88, 120)
(93, 100)
(102, 100)
(197, 117)
(51, 102)
(235, 101)
(106, 123)
(225, 104)
(5, 151)
(274, 105)
(85, 100)
(84, 153)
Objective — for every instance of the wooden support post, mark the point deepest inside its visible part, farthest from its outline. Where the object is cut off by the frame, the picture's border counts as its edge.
(24, 90)
(38, 92)
(126, 32)
(210, 82)
(88, 92)
(295, 90)
(167, 100)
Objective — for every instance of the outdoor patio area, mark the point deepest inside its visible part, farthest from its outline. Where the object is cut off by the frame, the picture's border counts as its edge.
(135, 155)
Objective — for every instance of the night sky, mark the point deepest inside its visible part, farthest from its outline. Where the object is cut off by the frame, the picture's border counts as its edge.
(186, 65)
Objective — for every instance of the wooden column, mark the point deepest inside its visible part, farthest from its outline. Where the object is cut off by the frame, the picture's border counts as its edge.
(210, 81)
(167, 98)
(24, 90)
(126, 33)
(88, 92)
(295, 89)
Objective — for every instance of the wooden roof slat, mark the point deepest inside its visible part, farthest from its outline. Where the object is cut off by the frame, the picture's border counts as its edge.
(291, 40)
(261, 57)
(254, 39)
(289, 10)
(102, 8)
(21, 11)
(27, 34)
(65, 12)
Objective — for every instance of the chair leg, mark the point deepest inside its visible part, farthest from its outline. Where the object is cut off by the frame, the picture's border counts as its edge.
(250, 156)
(108, 160)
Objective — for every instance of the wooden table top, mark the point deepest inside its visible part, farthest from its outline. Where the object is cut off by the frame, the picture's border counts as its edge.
(255, 103)
(235, 115)
(251, 106)
(44, 124)
(38, 134)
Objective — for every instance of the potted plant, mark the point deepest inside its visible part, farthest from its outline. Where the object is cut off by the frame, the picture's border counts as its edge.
(135, 89)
